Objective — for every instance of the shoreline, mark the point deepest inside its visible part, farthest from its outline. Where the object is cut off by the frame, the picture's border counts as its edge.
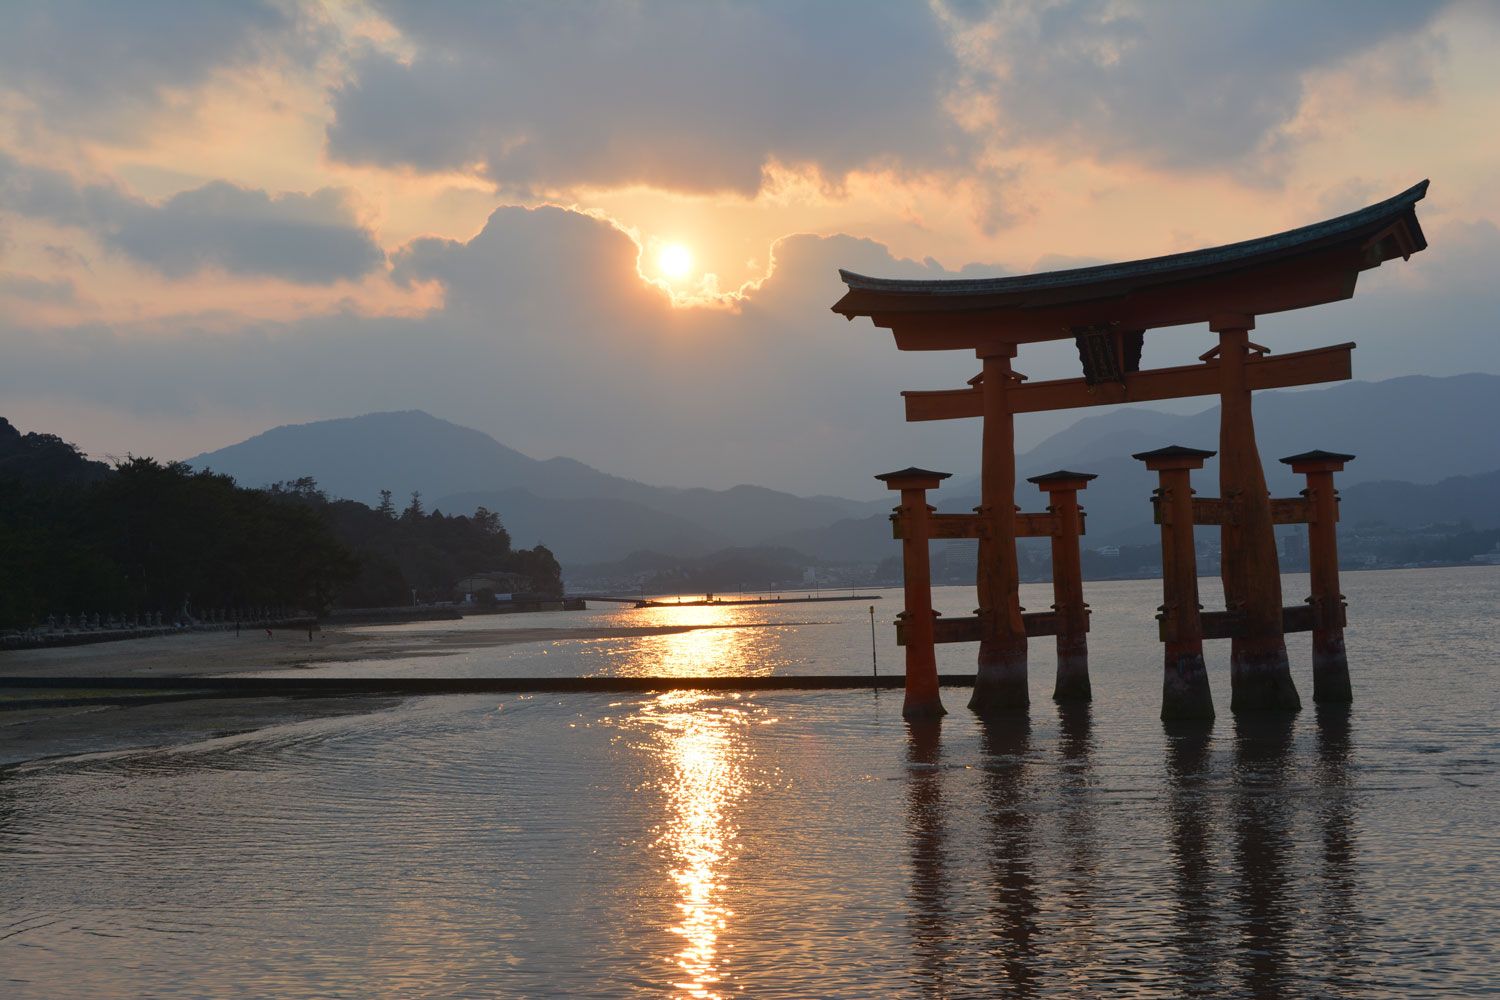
(215, 654)
(44, 723)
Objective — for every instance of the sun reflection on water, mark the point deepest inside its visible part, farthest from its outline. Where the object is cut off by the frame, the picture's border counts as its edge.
(741, 647)
(698, 739)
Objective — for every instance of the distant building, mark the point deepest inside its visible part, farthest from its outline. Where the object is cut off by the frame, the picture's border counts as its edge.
(502, 585)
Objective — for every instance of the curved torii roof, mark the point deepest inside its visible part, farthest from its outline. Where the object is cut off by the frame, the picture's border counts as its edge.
(1291, 270)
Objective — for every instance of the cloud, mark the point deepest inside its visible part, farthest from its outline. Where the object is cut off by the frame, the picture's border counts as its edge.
(1172, 85)
(682, 94)
(98, 67)
(303, 238)
(548, 338)
(29, 288)
(306, 238)
(700, 96)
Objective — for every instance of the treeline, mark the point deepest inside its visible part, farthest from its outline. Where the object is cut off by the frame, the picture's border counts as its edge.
(77, 537)
(411, 550)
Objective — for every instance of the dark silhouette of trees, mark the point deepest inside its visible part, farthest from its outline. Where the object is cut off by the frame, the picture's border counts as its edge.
(153, 537)
(428, 553)
(77, 537)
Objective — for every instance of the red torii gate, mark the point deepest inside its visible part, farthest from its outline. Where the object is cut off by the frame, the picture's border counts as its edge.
(1106, 311)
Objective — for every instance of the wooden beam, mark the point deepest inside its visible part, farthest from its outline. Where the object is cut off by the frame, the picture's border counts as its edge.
(1321, 364)
(941, 526)
(1038, 623)
(970, 525)
(1160, 383)
(1229, 624)
(955, 526)
(1297, 618)
(1213, 510)
(1291, 510)
(943, 404)
(1035, 525)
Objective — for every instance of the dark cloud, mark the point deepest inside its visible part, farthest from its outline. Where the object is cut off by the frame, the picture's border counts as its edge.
(1178, 85)
(700, 95)
(685, 94)
(98, 66)
(305, 238)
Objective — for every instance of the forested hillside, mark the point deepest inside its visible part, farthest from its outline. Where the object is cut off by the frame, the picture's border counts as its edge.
(77, 537)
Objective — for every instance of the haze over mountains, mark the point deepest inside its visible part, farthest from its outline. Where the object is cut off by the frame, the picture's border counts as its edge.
(1407, 433)
(582, 514)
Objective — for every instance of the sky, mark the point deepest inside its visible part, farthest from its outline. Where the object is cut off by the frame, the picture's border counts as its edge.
(612, 231)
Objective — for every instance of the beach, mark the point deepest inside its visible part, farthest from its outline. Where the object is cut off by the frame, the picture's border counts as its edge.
(214, 654)
(40, 723)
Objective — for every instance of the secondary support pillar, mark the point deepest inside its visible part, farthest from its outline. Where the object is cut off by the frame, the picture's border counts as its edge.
(1000, 684)
(1259, 675)
(1184, 690)
(1067, 583)
(922, 698)
(1330, 665)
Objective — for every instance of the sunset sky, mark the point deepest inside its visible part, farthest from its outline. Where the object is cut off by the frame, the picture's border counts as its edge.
(612, 231)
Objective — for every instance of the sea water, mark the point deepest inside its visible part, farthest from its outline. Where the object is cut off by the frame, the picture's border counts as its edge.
(796, 844)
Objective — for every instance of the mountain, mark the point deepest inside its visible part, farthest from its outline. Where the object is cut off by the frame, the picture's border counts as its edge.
(1475, 499)
(589, 529)
(357, 457)
(576, 510)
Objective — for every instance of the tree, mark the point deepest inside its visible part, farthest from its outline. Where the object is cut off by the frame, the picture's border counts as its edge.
(489, 523)
(413, 509)
(386, 508)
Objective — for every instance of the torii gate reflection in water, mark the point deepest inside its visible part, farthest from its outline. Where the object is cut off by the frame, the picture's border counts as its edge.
(1106, 311)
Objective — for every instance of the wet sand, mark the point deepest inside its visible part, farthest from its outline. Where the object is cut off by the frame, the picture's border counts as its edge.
(32, 734)
(212, 654)
(105, 721)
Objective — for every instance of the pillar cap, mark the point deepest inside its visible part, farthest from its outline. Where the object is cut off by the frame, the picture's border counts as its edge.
(1060, 479)
(913, 478)
(1220, 322)
(1174, 456)
(1317, 460)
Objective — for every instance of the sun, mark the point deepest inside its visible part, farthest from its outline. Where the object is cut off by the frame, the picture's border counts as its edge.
(674, 261)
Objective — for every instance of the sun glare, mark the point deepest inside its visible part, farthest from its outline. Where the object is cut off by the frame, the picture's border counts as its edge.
(674, 261)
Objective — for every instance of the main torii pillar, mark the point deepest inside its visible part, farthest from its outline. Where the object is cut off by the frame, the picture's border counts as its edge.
(1000, 682)
(1107, 312)
(1259, 675)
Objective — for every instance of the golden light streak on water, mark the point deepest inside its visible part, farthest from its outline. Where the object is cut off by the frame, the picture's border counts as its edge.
(699, 739)
(703, 652)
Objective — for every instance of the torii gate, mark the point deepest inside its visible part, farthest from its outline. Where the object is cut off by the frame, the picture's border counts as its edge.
(1106, 311)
